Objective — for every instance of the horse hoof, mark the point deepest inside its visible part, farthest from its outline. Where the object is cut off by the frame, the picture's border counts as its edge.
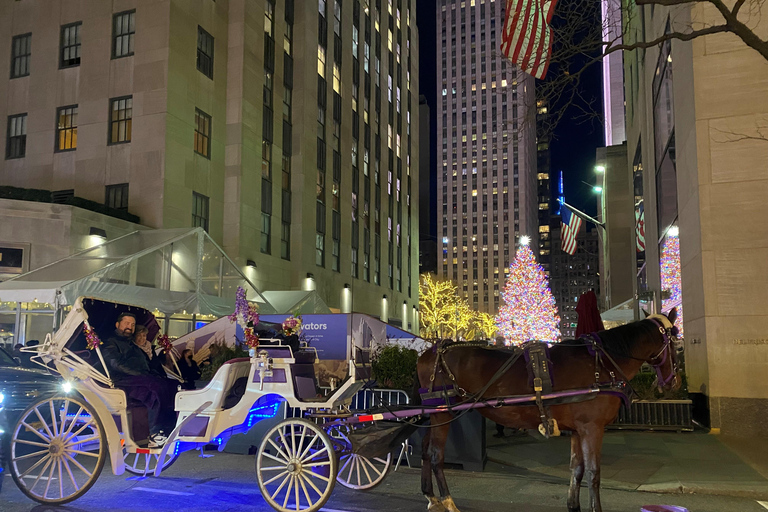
(449, 505)
(435, 505)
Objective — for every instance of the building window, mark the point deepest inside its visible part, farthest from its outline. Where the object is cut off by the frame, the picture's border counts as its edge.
(66, 128)
(70, 45)
(117, 196)
(285, 241)
(199, 211)
(319, 249)
(16, 143)
(202, 133)
(266, 233)
(204, 52)
(21, 49)
(123, 30)
(120, 120)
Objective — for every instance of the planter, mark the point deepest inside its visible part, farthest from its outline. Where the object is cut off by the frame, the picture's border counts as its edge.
(465, 446)
(655, 415)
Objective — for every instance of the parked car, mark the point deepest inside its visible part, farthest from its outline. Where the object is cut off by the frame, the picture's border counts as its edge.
(19, 387)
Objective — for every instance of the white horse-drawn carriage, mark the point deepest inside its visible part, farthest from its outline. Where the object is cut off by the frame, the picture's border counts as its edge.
(60, 443)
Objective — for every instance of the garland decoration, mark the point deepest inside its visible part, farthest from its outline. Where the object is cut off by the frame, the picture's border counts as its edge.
(164, 342)
(292, 325)
(92, 339)
(247, 316)
(251, 338)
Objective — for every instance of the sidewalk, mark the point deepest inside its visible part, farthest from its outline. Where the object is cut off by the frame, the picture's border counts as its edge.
(691, 462)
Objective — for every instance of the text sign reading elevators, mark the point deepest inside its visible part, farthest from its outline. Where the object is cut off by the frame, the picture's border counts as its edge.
(753, 341)
(327, 333)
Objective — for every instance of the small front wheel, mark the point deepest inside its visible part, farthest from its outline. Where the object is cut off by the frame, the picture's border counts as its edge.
(145, 463)
(296, 466)
(57, 449)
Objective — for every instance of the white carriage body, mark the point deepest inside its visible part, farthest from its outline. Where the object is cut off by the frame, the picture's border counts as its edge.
(202, 415)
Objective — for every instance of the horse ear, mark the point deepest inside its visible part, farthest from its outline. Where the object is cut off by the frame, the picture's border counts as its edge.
(672, 316)
(645, 313)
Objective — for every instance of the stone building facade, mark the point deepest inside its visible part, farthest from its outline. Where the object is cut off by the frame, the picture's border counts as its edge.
(283, 128)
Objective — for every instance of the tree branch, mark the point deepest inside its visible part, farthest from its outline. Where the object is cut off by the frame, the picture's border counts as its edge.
(681, 36)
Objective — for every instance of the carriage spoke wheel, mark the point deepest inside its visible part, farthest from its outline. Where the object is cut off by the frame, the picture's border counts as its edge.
(57, 449)
(363, 473)
(356, 471)
(145, 463)
(296, 466)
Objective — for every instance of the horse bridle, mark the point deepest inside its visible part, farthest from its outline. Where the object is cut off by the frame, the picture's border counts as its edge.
(666, 353)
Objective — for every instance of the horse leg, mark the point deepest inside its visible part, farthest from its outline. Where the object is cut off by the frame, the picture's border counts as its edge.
(426, 475)
(437, 458)
(577, 472)
(592, 445)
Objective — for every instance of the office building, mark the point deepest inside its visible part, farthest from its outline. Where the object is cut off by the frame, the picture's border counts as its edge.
(695, 112)
(486, 172)
(572, 275)
(283, 128)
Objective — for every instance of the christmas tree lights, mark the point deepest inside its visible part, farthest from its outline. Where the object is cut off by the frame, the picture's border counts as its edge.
(671, 278)
(529, 311)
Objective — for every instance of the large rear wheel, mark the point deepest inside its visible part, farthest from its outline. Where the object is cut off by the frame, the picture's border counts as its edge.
(296, 466)
(57, 449)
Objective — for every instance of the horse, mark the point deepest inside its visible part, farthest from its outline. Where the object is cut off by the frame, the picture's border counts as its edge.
(573, 366)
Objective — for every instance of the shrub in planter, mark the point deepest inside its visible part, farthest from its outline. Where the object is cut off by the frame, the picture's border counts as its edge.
(394, 367)
(220, 354)
(644, 385)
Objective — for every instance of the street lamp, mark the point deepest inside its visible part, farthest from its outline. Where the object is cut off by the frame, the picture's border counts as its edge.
(599, 168)
(597, 189)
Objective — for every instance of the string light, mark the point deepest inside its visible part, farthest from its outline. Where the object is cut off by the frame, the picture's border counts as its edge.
(529, 311)
(671, 277)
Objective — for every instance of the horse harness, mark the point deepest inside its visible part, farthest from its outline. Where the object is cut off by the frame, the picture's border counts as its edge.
(539, 368)
(538, 364)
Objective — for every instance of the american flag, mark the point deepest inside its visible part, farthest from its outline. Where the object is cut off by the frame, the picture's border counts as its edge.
(527, 36)
(569, 230)
(640, 226)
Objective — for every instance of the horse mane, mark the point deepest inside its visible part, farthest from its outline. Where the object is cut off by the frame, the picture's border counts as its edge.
(620, 341)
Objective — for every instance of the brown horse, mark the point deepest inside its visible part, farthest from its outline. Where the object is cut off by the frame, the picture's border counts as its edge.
(573, 367)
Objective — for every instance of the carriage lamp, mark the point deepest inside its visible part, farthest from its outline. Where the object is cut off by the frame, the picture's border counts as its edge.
(66, 386)
(2, 397)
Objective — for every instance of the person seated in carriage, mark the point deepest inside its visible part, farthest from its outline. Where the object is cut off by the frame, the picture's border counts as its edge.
(156, 361)
(130, 370)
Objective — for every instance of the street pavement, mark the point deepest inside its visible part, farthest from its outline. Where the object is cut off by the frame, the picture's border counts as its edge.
(523, 474)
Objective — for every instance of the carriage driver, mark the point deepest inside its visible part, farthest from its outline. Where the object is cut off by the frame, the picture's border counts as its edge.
(130, 372)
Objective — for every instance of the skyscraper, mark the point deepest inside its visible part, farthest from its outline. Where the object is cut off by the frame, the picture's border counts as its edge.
(287, 130)
(486, 183)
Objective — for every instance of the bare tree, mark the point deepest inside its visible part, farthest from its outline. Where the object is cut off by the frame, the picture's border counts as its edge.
(582, 38)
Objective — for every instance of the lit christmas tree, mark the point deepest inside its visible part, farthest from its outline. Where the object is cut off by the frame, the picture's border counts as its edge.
(529, 311)
(670, 276)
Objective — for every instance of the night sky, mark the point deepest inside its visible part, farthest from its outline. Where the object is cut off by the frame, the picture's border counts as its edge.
(575, 140)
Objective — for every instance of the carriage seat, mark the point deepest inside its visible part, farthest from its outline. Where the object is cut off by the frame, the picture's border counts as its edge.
(305, 382)
(230, 378)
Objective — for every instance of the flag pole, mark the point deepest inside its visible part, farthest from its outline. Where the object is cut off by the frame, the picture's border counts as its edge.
(583, 215)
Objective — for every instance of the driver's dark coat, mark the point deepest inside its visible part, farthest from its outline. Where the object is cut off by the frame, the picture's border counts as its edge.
(124, 358)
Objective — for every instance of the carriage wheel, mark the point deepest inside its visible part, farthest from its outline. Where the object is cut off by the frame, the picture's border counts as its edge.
(356, 471)
(57, 449)
(361, 473)
(145, 463)
(296, 466)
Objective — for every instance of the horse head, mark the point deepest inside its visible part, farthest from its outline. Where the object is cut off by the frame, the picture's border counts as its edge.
(664, 359)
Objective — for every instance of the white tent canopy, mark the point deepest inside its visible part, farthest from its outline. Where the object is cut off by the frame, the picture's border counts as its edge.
(297, 302)
(171, 270)
(623, 313)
